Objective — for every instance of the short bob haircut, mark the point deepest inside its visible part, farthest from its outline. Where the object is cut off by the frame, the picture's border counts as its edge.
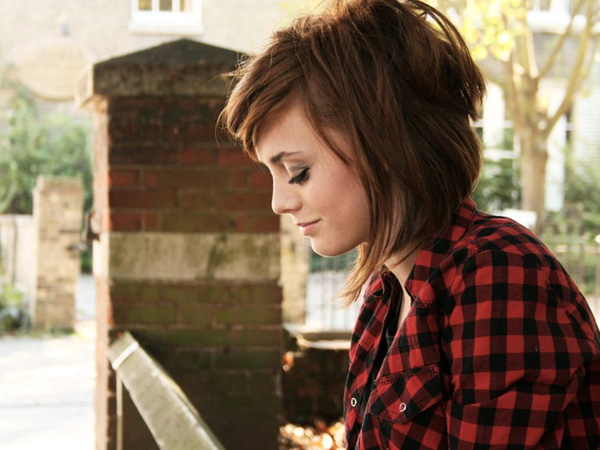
(397, 80)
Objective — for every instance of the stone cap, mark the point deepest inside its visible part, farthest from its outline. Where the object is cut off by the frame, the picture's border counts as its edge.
(179, 68)
(58, 183)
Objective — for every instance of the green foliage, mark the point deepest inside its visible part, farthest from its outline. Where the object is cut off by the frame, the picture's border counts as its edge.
(13, 314)
(343, 262)
(571, 233)
(582, 193)
(498, 186)
(34, 144)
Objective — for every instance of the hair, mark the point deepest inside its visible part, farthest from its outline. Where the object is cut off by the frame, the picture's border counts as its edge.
(398, 81)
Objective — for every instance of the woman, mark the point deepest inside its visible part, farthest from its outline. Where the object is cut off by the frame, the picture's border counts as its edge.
(471, 334)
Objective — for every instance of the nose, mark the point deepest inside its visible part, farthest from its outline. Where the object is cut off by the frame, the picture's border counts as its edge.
(285, 200)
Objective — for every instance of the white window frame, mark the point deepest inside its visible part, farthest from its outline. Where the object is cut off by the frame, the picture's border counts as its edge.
(166, 22)
(556, 6)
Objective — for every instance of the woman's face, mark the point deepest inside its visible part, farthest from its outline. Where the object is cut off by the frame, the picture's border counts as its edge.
(323, 195)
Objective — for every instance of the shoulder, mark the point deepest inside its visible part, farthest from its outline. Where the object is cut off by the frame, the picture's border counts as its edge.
(498, 241)
(496, 254)
(499, 259)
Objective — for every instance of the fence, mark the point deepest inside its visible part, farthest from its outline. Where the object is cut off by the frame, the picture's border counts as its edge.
(582, 261)
(325, 281)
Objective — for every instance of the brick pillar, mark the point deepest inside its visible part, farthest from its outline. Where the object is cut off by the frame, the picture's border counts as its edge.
(188, 253)
(58, 206)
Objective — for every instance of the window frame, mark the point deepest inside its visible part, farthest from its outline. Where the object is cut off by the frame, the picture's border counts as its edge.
(176, 22)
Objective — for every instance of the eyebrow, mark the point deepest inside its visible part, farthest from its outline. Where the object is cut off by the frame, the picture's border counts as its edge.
(279, 156)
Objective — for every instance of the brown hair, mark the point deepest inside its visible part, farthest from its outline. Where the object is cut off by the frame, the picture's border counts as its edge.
(394, 77)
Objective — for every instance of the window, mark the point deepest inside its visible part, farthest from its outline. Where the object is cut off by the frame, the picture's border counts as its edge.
(181, 17)
(541, 5)
(561, 6)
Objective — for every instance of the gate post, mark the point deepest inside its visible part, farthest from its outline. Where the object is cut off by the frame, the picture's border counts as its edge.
(57, 213)
(188, 253)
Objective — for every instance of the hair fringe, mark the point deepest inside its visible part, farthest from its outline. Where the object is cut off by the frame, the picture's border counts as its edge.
(397, 79)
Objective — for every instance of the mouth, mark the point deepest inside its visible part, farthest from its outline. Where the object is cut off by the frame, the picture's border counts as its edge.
(305, 224)
(307, 227)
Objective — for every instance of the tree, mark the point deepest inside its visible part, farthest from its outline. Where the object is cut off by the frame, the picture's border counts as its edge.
(33, 144)
(501, 35)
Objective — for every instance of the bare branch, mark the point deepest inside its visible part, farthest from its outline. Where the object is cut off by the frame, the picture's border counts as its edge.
(590, 63)
(576, 74)
(512, 91)
(561, 42)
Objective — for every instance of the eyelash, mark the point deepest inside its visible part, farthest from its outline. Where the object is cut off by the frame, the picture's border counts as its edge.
(300, 178)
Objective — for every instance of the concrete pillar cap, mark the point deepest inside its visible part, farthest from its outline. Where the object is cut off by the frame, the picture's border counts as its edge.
(179, 68)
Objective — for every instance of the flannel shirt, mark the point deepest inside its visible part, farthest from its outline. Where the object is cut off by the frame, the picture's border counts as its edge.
(499, 349)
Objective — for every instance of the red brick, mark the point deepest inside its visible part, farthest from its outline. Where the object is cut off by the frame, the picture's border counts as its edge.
(122, 292)
(171, 133)
(123, 178)
(248, 360)
(199, 132)
(150, 179)
(261, 180)
(239, 179)
(151, 222)
(249, 201)
(200, 316)
(141, 154)
(249, 316)
(254, 295)
(233, 157)
(191, 223)
(123, 129)
(195, 200)
(194, 178)
(265, 223)
(142, 199)
(120, 221)
(123, 105)
(200, 156)
(256, 337)
(144, 314)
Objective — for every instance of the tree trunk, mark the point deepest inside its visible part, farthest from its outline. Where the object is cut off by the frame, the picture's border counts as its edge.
(534, 155)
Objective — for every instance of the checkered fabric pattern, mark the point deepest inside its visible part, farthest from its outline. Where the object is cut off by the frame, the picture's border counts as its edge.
(499, 349)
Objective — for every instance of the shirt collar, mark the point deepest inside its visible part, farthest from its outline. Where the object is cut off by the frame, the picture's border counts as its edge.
(433, 253)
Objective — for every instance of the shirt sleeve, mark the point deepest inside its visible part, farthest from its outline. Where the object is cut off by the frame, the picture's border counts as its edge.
(515, 352)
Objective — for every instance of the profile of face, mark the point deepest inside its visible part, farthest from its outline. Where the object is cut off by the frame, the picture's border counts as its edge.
(321, 193)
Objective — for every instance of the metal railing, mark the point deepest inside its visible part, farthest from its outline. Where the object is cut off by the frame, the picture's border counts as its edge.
(172, 419)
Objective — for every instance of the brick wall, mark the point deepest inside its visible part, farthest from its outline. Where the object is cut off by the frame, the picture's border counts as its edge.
(188, 256)
(313, 385)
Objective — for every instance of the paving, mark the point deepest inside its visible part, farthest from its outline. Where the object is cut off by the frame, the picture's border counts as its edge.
(47, 385)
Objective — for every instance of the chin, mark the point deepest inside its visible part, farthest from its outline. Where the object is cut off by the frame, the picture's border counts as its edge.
(330, 251)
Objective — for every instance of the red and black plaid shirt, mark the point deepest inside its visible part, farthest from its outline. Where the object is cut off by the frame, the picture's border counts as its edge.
(499, 349)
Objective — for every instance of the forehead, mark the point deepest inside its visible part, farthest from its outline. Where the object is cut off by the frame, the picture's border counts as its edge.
(287, 131)
(290, 131)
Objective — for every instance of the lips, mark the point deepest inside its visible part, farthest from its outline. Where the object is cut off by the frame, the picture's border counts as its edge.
(305, 224)
(308, 228)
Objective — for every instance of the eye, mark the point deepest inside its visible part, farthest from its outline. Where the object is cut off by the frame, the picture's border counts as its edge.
(300, 178)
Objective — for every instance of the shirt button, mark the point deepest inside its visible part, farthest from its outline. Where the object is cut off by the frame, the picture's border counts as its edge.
(402, 407)
(353, 402)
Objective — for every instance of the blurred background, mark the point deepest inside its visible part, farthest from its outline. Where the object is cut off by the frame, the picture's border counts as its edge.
(69, 193)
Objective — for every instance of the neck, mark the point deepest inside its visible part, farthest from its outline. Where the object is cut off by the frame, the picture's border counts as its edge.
(401, 265)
